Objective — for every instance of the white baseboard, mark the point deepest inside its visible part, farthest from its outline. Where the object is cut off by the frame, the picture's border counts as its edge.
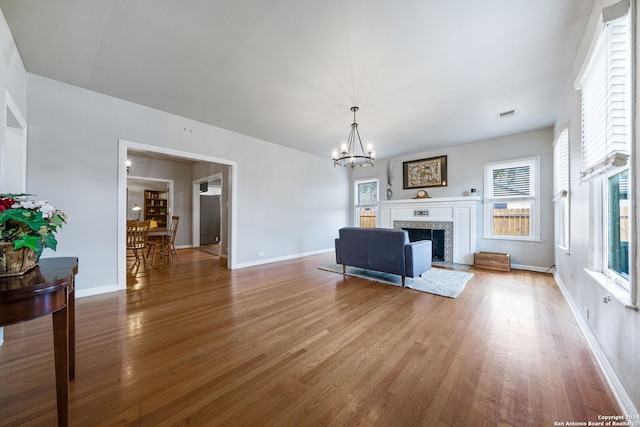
(81, 293)
(532, 268)
(283, 258)
(618, 390)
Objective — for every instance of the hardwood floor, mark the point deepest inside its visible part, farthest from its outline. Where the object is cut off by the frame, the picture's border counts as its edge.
(287, 344)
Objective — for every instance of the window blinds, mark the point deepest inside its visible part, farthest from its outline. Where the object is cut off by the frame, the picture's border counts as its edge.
(561, 165)
(511, 180)
(605, 87)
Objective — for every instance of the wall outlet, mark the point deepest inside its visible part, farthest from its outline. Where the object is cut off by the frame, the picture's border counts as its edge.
(586, 312)
(261, 253)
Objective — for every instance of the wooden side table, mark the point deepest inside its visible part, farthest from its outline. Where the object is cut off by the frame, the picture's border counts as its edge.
(47, 289)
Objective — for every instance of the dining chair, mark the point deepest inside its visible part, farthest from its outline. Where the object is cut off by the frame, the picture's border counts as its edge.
(137, 240)
(156, 243)
(164, 244)
(175, 220)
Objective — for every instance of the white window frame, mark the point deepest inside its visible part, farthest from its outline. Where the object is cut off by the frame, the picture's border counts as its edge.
(356, 199)
(533, 198)
(607, 128)
(599, 241)
(611, 274)
(561, 187)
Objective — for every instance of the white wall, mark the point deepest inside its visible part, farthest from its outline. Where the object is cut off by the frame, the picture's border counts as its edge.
(12, 73)
(13, 80)
(615, 328)
(289, 203)
(465, 170)
(12, 97)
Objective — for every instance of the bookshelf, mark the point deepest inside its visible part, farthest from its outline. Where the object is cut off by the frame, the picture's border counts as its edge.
(155, 207)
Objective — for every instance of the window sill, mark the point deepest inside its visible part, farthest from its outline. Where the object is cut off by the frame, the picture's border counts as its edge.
(513, 239)
(615, 290)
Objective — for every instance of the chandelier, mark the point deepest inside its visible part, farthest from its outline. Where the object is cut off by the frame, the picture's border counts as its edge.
(347, 156)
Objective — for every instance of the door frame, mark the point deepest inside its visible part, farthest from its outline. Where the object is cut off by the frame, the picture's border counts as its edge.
(123, 147)
(196, 207)
(13, 129)
(170, 185)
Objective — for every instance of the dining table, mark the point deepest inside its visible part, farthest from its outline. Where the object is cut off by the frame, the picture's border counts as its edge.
(163, 232)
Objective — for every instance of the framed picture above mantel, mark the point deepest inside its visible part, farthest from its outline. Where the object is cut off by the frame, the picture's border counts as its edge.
(431, 172)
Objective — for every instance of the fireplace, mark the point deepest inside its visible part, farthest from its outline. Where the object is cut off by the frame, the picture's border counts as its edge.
(455, 215)
(436, 237)
(443, 229)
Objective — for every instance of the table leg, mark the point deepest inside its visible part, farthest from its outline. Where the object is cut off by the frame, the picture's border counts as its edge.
(71, 305)
(60, 349)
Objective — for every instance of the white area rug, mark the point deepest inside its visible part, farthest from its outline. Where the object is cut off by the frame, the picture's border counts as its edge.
(438, 281)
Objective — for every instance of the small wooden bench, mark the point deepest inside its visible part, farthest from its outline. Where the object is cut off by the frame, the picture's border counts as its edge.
(492, 261)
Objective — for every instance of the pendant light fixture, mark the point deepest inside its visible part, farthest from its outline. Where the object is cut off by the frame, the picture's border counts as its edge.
(347, 156)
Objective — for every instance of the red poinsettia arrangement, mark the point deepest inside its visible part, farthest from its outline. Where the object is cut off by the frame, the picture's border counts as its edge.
(29, 223)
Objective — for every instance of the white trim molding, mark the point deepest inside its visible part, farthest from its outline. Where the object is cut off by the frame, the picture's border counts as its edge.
(623, 399)
(123, 147)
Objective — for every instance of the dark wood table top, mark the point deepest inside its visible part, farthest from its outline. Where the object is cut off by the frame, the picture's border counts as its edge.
(51, 276)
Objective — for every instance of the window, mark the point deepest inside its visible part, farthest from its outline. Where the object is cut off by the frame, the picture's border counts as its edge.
(618, 228)
(605, 85)
(366, 202)
(511, 199)
(561, 188)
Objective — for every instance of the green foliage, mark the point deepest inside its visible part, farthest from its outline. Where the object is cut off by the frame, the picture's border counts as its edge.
(29, 224)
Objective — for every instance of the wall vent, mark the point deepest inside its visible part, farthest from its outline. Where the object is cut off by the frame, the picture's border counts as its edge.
(507, 114)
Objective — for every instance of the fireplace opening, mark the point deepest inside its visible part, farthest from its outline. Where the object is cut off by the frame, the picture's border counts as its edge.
(436, 237)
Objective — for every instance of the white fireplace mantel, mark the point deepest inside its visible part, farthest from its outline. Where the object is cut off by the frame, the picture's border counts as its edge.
(461, 211)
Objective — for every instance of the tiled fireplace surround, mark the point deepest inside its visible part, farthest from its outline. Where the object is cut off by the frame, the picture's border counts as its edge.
(433, 225)
(455, 215)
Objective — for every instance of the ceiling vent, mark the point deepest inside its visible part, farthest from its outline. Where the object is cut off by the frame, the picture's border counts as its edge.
(507, 114)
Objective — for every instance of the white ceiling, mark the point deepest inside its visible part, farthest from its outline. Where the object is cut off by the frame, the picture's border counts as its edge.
(426, 74)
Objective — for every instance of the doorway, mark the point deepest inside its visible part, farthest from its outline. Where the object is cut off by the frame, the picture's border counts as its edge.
(228, 226)
(209, 214)
(137, 208)
(209, 219)
(13, 155)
